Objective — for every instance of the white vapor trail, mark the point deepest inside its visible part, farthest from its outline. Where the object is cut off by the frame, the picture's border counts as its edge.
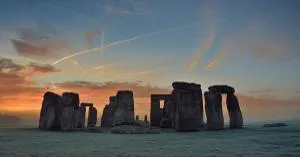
(123, 41)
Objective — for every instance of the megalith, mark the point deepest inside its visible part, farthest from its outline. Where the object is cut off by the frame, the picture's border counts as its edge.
(234, 111)
(124, 114)
(92, 116)
(70, 103)
(155, 113)
(109, 112)
(80, 116)
(50, 112)
(214, 112)
(188, 112)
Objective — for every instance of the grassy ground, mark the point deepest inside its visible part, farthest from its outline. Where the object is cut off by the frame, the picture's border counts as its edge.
(254, 141)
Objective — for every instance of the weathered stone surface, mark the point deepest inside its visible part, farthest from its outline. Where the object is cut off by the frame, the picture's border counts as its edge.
(166, 123)
(109, 112)
(80, 117)
(67, 119)
(186, 86)
(186, 114)
(155, 114)
(214, 113)
(125, 108)
(50, 111)
(234, 111)
(221, 89)
(70, 99)
(92, 117)
(84, 104)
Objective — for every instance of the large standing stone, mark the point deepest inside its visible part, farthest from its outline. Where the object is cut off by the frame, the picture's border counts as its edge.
(189, 106)
(186, 114)
(168, 111)
(80, 117)
(214, 112)
(92, 117)
(109, 112)
(235, 114)
(50, 112)
(70, 101)
(125, 108)
(155, 113)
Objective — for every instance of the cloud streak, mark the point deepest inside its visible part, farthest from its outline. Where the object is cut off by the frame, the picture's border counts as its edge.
(221, 55)
(146, 35)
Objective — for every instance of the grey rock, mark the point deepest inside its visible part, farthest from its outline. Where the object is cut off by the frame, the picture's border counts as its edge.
(234, 111)
(155, 113)
(92, 117)
(67, 119)
(50, 112)
(124, 114)
(224, 89)
(214, 112)
(80, 117)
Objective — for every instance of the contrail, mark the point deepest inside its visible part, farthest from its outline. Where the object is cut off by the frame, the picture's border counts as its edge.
(226, 48)
(124, 41)
(148, 71)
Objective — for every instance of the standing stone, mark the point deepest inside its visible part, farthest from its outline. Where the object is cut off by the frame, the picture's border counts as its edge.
(214, 112)
(109, 112)
(235, 114)
(92, 117)
(70, 103)
(186, 119)
(146, 119)
(168, 112)
(137, 117)
(155, 113)
(80, 117)
(50, 112)
(124, 114)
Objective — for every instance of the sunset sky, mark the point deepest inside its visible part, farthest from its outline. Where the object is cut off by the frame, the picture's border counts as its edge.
(96, 47)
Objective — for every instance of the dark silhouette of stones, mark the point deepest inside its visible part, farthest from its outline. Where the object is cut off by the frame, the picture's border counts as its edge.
(214, 112)
(166, 123)
(50, 112)
(141, 123)
(109, 112)
(86, 104)
(137, 117)
(189, 106)
(124, 114)
(146, 119)
(275, 125)
(70, 103)
(234, 111)
(92, 117)
(224, 89)
(80, 117)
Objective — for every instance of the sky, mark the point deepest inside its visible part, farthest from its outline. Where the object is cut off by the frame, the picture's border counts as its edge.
(97, 47)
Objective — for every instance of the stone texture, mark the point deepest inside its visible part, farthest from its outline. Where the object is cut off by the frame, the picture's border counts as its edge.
(70, 103)
(80, 117)
(155, 114)
(224, 89)
(50, 112)
(109, 112)
(234, 111)
(186, 114)
(92, 117)
(124, 114)
(214, 112)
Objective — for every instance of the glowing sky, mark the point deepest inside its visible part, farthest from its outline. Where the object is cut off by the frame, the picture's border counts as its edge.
(96, 47)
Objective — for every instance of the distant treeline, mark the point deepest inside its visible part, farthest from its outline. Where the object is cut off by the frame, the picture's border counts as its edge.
(7, 119)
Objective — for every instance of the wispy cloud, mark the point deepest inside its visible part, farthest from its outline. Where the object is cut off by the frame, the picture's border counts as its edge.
(221, 55)
(146, 35)
(209, 18)
(41, 41)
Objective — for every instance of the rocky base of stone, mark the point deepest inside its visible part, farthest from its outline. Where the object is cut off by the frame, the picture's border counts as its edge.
(275, 125)
(131, 129)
